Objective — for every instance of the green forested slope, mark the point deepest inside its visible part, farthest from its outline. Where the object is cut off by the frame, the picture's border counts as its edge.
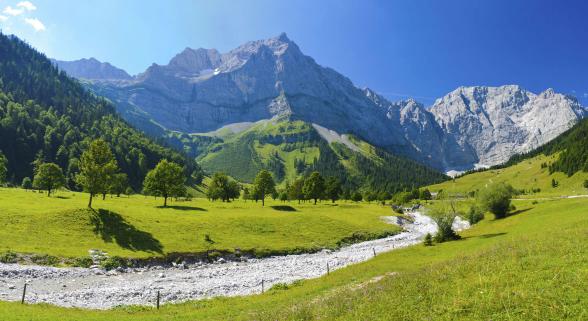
(294, 148)
(47, 116)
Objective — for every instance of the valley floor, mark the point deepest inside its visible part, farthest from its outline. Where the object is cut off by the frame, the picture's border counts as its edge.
(529, 266)
(92, 288)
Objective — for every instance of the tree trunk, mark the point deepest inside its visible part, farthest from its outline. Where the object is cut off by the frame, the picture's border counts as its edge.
(103, 196)
(315, 201)
(90, 202)
(262, 199)
(48, 192)
(165, 201)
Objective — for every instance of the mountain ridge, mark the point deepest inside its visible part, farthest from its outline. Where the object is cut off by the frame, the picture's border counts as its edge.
(202, 90)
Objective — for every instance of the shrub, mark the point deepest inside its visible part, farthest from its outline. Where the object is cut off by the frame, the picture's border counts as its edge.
(113, 263)
(475, 214)
(84, 262)
(8, 257)
(445, 230)
(44, 259)
(285, 286)
(428, 240)
(496, 199)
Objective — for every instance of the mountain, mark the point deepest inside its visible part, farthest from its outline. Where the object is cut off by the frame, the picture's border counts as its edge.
(91, 69)
(202, 90)
(293, 148)
(46, 116)
(494, 123)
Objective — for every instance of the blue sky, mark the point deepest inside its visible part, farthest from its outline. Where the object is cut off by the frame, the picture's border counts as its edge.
(421, 49)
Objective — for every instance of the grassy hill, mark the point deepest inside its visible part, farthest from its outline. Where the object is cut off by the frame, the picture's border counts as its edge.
(528, 175)
(293, 148)
(137, 227)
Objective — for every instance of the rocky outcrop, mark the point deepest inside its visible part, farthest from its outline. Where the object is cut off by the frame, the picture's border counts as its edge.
(494, 123)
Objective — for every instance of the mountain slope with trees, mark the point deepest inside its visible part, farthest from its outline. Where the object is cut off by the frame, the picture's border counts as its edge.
(46, 116)
(290, 149)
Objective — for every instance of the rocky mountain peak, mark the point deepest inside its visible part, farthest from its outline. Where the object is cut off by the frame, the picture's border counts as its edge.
(92, 68)
(195, 60)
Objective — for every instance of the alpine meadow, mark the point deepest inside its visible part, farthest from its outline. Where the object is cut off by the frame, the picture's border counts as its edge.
(360, 160)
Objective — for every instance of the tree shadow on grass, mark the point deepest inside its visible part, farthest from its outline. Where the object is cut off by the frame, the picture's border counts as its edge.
(113, 227)
(491, 235)
(484, 236)
(519, 211)
(184, 208)
(284, 208)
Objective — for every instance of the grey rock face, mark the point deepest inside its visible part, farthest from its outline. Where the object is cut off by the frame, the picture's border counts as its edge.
(202, 90)
(92, 69)
(495, 123)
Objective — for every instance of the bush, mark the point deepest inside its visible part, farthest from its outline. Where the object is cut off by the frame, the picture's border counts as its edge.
(445, 229)
(113, 263)
(84, 262)
(285, 286)
(44, 259)
(8, 257)
(428, 240)
(475, 215)
(496, 199)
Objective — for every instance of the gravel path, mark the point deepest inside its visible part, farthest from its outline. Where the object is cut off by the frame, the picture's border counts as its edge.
(93, 288)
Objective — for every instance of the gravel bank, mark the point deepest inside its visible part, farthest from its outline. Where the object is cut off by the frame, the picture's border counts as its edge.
(97, 289)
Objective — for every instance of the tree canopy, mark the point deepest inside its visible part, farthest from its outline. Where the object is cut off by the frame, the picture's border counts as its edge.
(314, 186)
(97, 169)
(166, 179)
(49, 177)
(264, 184)
(223, 188)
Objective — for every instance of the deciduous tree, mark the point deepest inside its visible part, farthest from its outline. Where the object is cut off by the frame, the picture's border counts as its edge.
(49, 176)
(264, 185)
(97, 167)
(333, 188)
(314, 186)
(167, 179)
(295, 192)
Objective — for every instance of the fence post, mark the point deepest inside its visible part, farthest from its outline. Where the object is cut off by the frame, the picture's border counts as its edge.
(262, 286)
(328, 269)
(373, 249)
(157, 300)
(24, 292)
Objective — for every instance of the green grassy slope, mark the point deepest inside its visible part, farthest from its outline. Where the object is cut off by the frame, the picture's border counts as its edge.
(293, 148)
(136, 227)
(527, 174)
(530, 266)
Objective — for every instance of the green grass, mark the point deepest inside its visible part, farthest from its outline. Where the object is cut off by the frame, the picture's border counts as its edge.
(137, 227)
(529, 266)
(527, 175)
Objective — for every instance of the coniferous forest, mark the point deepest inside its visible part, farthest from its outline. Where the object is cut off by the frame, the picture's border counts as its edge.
(46, 116)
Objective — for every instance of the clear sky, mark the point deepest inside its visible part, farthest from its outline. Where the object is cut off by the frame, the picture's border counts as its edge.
(421, 49)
